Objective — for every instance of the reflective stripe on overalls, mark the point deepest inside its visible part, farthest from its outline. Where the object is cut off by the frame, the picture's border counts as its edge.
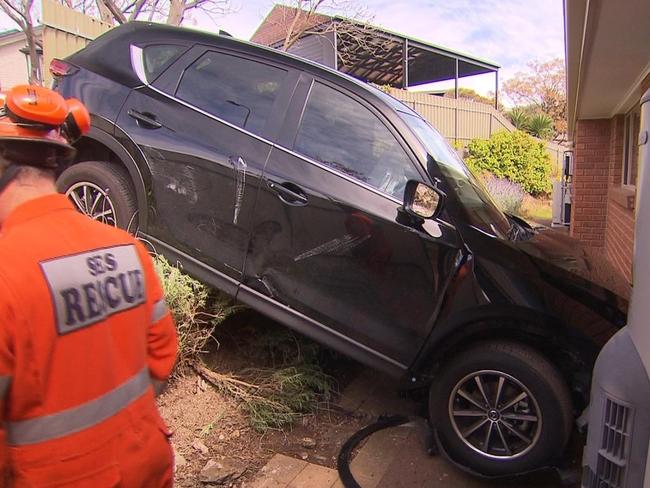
(76, 419)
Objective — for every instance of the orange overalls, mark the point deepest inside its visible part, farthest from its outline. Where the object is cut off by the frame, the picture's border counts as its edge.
(83, 330)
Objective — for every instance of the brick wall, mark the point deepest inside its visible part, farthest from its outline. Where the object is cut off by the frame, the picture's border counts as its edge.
(590, 181)
(619, 242)
(619, 233)
(602, 214)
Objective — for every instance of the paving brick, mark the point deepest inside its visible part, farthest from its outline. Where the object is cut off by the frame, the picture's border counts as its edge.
(315, 476)
(279, 472)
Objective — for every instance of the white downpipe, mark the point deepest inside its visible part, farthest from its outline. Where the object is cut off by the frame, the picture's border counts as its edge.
(639, 313)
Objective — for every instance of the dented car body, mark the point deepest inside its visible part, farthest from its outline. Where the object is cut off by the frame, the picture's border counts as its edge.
(282, 183)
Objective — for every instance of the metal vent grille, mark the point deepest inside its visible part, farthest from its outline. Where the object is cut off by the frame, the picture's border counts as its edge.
(612, 455)
(615, 430)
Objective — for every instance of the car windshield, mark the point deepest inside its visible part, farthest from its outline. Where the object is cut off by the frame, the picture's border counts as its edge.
(477, 203)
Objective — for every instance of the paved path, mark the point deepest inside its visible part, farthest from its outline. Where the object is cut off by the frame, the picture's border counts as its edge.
(390, 458)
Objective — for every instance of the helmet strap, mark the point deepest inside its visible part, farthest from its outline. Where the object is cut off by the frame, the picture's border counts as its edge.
(8, 176)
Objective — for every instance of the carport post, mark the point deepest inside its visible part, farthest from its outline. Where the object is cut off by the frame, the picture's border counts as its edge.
(405, 64)
(496, 89)
(456, 79)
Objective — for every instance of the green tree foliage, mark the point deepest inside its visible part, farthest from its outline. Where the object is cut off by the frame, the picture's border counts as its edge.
(543, 87)
(541, 125)
(469, 94)
(196, 309)
(531, 120)
(516, 156)
(519, 118)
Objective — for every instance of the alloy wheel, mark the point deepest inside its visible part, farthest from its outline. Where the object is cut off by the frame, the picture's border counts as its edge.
(92, 201)
(494, 414)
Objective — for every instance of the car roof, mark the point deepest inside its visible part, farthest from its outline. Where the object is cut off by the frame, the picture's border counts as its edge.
(109, 55)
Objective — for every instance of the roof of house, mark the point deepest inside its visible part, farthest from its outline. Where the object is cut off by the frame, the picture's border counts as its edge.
(12, 35)
(15, 35)
(426, 62)
(607, 56)
(274, 27)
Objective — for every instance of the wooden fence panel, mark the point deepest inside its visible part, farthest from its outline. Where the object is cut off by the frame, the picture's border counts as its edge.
(460, 121)
(66, 31)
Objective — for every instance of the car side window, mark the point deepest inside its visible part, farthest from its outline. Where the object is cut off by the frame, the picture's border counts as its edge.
(158, 56)
(234, 89)
(342, 133)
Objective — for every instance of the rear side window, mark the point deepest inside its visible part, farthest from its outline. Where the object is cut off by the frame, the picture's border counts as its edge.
(158, 57)
(234, 89)
(342, 133)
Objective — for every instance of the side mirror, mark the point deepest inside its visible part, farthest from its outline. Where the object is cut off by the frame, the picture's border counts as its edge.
(422, 200)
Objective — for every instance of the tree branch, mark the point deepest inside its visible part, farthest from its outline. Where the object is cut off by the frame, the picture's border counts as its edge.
(117, 13)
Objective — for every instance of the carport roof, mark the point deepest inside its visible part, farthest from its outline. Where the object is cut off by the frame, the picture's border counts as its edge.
(404, 60)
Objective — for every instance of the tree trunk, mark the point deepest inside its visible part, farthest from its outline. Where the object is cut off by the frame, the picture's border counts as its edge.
(104, 12)
(176, 11)
(35, 77)
(289, 40)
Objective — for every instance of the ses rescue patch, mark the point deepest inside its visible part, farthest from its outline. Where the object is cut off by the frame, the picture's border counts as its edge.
(88, 287)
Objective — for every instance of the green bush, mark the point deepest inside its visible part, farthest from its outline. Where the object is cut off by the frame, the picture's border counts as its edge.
(196, 310)
(515, 156)
(541, 125)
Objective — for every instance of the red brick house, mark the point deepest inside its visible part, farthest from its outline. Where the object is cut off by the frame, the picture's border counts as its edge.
(608, 69)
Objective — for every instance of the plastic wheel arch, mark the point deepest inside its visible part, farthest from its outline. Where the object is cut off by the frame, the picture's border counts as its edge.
(136, 169)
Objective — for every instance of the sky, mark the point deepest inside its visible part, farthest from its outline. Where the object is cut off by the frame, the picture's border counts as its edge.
(510, 33)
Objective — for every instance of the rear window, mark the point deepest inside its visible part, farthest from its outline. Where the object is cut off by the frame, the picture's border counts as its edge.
(157, 57)
(238, 90)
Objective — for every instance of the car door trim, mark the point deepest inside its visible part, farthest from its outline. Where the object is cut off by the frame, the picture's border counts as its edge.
(307, 159)
(137, 63)
(318, 331)
(276, 146)
(201, 271)
(282, 313)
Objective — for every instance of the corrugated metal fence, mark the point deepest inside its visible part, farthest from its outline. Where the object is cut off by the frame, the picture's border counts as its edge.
(460, 121)
(65, 32)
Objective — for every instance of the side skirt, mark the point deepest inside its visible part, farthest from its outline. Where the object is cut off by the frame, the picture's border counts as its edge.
(278, 312)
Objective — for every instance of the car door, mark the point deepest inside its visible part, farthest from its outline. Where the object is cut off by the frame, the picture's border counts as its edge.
(203, 127)
(329, 237)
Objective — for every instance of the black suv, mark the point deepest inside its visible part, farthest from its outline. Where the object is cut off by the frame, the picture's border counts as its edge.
(331, 207)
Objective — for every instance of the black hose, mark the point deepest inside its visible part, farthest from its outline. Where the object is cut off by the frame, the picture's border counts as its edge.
(343, 462)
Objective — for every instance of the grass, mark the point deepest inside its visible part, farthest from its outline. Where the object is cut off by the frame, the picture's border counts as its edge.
(197, 310)
(289, 381)
(273, 398)
(536, 210)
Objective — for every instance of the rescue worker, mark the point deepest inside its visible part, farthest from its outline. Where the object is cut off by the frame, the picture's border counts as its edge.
(84, 329)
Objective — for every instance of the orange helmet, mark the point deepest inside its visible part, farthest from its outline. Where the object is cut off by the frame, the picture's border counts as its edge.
(38, 127)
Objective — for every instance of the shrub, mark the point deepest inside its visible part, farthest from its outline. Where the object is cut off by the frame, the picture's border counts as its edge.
(541, 125)
(196, 310)
(515, 156)
(508, 195)
(519, 118)
(285, 382)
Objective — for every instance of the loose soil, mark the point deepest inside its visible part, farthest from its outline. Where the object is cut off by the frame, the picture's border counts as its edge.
(208, 425)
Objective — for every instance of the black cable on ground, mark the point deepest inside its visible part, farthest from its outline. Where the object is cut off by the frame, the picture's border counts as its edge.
(343, 462)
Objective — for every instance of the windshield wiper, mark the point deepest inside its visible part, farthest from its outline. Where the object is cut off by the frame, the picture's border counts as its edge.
(519, 228)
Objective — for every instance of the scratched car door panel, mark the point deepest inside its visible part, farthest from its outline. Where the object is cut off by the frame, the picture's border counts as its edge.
(207, 155)
(326, 240)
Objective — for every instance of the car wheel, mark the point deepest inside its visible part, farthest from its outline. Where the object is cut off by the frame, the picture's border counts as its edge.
(501, 408)
(102, 191)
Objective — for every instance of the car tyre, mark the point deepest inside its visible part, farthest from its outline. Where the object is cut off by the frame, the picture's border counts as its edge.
(103, 191)
(501, 408)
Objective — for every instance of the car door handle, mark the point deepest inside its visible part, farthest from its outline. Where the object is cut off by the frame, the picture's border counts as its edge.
(145, 120)
(288, 192)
